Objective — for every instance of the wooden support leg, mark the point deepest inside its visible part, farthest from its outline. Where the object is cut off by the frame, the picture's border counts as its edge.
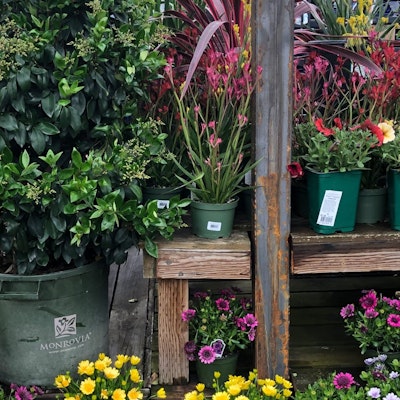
(173, 298)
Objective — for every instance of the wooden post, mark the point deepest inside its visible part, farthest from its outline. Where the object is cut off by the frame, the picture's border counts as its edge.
(272, 49)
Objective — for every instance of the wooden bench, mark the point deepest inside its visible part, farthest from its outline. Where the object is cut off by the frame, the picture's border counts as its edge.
(185, 258)
(369, 248)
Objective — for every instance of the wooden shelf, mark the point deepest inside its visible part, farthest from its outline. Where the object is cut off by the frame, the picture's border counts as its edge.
(369, 248)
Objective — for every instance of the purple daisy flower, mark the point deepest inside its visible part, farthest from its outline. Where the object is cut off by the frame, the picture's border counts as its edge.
(222, 304)
(391, 396)
(347, 311)
(343, 380)
(394, 320)
(22, 393)
(370, 300)
(371, 313)
(188, 314)
(207, 355)
(250, 320)
(374, 393)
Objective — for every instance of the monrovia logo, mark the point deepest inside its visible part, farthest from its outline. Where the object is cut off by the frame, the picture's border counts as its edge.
(65, 329)
(65, 326)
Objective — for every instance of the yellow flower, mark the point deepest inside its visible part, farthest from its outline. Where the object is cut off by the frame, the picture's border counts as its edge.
(234, 390)
(217, 374)
(102, 363)
(252, 375)
(286, 384)
(340, 21)
(104, 394)
(387, 130)
(287, 392)
(384, 20)
(86, 367)
(135, 360)
(111, 372)
(269, 390)
(161, 393)
(87, 386)
(200, 387)
(269, 382)
(241, 397)
(121, 360)
(134, 375)
(220, 396)
(135, 394)
(191, 395)
(62, 381)
(118, 394)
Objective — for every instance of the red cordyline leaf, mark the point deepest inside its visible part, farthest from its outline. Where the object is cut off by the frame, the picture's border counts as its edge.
(215, 25)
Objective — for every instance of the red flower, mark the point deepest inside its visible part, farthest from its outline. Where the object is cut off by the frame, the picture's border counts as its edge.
(295, 170)
(368, 124)
(322, 128)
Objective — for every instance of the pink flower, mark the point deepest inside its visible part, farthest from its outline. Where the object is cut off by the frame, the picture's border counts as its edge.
(222, 304)
(207, 355)
(250, 320)
(371, 313)
(370, 300)
(188, 314)
(214, 141)
(394, 320)
(347, 311)
(343, 380)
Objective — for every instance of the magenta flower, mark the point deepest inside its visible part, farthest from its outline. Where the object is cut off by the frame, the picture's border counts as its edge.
(188, 314)
(250, 320)
(22, 393)
(370, 300)
(371, 313)
(222, 304)
(343, 380)
(347, 311)
(190, 350)
(394, 320)
(252, 334)
(207, 355)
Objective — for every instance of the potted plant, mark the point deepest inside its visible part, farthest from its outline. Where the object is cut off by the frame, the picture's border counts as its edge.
(105, 378)
(213, 106)
(374, 322)
(239, 387)
(220, 325)
(73, 156)
(334, 159)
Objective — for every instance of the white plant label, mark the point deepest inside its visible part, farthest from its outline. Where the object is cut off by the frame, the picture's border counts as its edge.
(329, 208)
(214, 226)
(162, 204)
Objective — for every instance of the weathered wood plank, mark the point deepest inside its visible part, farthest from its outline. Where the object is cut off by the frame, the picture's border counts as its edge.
(173, 298)
(191, 257)
(369, 248)
(129, 318)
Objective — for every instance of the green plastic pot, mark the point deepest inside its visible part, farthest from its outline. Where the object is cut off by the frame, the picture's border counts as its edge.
(51, 322)
(332, 200)
(225, 366)
(371, 206)
(213, 220)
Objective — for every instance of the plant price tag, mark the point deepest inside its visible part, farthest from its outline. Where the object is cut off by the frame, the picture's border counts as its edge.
(214, 226)
(329, 208)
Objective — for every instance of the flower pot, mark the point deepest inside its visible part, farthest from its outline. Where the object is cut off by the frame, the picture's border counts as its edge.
(51, 322)
(332, 199)
(371, 206)
(161, 194)
(225, 365)
(394, 198)
(213, 220)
